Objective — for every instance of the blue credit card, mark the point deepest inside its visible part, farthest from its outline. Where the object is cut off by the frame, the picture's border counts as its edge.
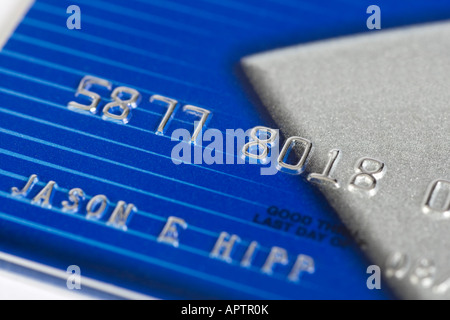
(88, 118)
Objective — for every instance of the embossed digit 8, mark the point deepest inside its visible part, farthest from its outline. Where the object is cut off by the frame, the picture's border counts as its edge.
(263, 144)
(125, 106)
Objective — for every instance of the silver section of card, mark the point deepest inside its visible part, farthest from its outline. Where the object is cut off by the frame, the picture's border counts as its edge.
(381, 95)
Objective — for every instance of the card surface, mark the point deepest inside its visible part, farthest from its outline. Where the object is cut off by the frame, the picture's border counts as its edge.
(120, 157)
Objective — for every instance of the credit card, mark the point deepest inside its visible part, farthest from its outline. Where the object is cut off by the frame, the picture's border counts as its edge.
(122, 131)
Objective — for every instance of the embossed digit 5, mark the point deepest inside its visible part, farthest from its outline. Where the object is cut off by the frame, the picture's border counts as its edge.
(83, 89)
